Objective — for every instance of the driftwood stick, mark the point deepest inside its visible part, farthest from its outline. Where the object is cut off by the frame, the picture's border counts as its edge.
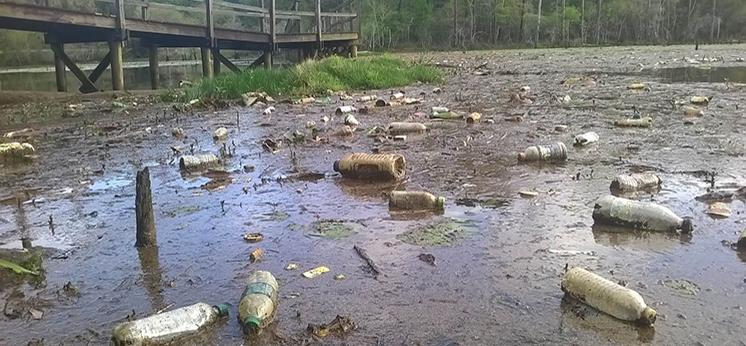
(372, 265)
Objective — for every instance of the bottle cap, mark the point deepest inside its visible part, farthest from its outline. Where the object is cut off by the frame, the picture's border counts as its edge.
(686, 225)
(521, 156)
(223, 309)
(251, 325)
(648, 315)
(336, 166)
(440, 203)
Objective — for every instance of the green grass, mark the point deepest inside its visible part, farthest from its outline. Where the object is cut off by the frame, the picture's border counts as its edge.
(316, 77)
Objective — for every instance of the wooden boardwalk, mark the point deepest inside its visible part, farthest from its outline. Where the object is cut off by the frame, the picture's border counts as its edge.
(311, 33)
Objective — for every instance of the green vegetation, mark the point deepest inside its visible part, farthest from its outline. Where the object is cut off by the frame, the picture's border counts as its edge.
(317, 77)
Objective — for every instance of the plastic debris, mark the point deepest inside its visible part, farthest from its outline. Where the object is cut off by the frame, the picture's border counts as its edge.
(586, 138)
(252, 237)
(169, 326)
(220, 134)
(473, 118)
(315, 272)
(631, 122)
(551, 152)
(372, 166)
(256, 255)
(192, 163)
(345, 109)
(646, 216)
(339, 326)
(351, 120)
(700, 100)
(637, 86)
(258, 303)
(606, 296)
(15, 151)
(415, 200)
(398, 128)
(718, 209)
(634, 182)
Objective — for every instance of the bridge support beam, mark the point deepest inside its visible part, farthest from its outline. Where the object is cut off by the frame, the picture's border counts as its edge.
(59, 68)
(206, 63)
(353, 51)
(215, 61)
(117, 66)
(153, 66)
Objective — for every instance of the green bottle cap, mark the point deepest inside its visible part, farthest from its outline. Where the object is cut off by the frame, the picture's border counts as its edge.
(223, 309)
(251, 325)
(441, 203)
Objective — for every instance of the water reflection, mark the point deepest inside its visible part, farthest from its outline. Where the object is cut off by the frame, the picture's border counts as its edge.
(152, 279)
(577, 315)
(734, 74)
(620, 236)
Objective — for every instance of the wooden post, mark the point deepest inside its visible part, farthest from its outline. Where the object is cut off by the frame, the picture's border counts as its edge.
(153, 66)
(116, 47)
(59, 67)
(209, 23)
(144, 10)
(117, 68)
(353, 51)
(215, 61)
(146, 236)
(318, 25)
(206, 63)
(261, 21)
(268, 59)
(272, 24)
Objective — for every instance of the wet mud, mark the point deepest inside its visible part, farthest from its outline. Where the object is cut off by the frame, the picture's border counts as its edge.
(497, 257)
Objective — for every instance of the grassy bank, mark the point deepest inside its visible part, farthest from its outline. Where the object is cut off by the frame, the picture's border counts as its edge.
(316, 77)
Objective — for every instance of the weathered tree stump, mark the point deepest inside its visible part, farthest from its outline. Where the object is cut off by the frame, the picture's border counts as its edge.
(146, 236)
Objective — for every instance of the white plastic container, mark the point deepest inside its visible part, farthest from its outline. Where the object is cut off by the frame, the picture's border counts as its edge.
(166, 327)
(616, 211)
(586, 138)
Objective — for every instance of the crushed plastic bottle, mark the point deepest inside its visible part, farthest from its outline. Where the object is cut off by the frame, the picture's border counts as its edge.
(367, 98)
(440, 109)
(586, 138)
(551, 152)
(635, 182)
(258, 302)
(350, 120)
(372, 166)
(166, 327)
(693, 111)
(193, 163)
(642, 122)
(611, 210)
(415, 200)
(397, 128)
(607, 296)
(700, 100)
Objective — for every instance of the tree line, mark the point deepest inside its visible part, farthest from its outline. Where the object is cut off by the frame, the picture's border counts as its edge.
(462, 24)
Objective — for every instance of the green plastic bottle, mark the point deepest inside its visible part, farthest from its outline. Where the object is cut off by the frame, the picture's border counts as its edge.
(258, 302)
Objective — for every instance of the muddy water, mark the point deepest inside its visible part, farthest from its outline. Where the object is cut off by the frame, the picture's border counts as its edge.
(498, 283)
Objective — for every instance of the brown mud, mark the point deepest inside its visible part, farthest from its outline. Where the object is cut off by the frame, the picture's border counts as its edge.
(497, 281)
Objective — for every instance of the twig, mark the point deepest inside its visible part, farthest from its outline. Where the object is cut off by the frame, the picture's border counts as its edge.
(364, 255)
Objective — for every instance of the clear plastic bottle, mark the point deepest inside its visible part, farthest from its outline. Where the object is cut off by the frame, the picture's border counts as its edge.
(168, 326)
(551, 152)
(642, 122)
(258, 302)
(397, 128)
(415, 200)
(611, 210)
(372, 166)
(606, 296)
(192, 163)
(634, 182)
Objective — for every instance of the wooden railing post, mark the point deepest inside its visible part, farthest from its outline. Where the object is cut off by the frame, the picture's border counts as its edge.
(59, 67)
(268, 55)
(261, 21)
(144, 10)
(318, 26)
(116, 47)
(153, 66)
(207, 51)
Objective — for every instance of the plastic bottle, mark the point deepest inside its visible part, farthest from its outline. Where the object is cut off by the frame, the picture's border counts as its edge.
(415, 200)
(168, 326)
(634, 182)
(15, 150)
(367, 98)
(647, 216)
(192, 163)
(345, 109)
(586, 138)
(439, 109)
(397, 128)
(642, 122)
(551, 152)
(372, 166)
(446, 115)
(351, 120)
(258, 302)
(606, 296)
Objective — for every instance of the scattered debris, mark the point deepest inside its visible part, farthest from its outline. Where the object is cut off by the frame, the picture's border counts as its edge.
(637, 86)
(632, 122)
(253, 237)
(178, 132)
(367, 98)
(372, 267)
(528, 194)
(700, 100)
(315, 272)
(350, 120)
(36, 314)
(256, 255)
(269, 110)
(427, 258)
(586, 138)
(340, 277)
(473, 118)
(339, 326)
(718, 209)
(345, 109)
(550, 152)
(291, 266)
(220, 134)
(16, 151)
(194, 163)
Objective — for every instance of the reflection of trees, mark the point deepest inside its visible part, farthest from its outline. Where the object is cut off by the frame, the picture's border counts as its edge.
(152, 276)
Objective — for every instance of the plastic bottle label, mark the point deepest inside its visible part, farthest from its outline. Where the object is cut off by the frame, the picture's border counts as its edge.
(259, 288)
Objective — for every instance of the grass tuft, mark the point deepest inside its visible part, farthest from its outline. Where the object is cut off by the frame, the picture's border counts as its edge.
(316, 77)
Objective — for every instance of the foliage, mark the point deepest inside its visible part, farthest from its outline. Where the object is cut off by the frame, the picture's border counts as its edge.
(316, 77)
